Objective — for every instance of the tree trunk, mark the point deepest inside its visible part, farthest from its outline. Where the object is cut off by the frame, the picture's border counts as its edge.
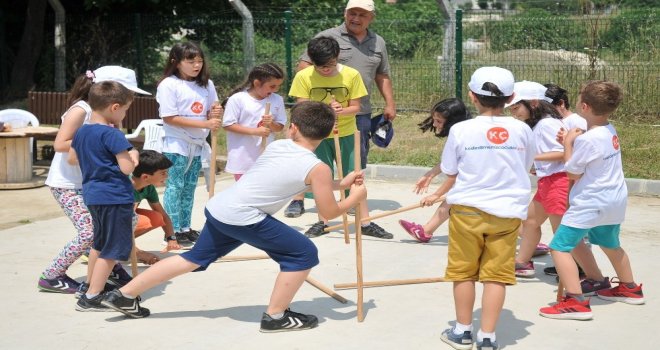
(22, 73)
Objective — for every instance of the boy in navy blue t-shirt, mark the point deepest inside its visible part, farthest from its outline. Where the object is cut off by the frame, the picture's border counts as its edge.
(106, 159)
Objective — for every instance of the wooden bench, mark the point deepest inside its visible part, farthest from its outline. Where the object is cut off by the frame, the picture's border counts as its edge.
(48, 107)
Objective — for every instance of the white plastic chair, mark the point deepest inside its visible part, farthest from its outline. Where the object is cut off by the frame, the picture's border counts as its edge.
(19, 118)
(153, 134)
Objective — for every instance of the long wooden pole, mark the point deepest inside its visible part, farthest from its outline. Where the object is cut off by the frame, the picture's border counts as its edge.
(242, 258)
(214, 154)
(560, 291)
(387, 283)
(358, 233)
(386, 213)
(340, 171)
(326, 290)
(264, 139)
(134, 269)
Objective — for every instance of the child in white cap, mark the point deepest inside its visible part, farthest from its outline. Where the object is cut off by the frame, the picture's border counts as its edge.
(488, 159)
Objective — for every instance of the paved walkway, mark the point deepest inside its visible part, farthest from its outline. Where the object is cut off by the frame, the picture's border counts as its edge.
(221, 308)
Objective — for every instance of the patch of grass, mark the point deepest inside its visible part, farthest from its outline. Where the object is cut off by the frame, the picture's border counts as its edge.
(640, 147)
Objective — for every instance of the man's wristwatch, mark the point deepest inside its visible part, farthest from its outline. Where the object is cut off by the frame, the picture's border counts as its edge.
(170, 238)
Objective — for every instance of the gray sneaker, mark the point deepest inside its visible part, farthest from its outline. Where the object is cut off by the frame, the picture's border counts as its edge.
(460, 342)
(295, 209)
(486, 344)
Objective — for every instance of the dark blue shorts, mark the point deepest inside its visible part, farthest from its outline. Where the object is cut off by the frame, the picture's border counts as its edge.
(113, 230)
(288, 247)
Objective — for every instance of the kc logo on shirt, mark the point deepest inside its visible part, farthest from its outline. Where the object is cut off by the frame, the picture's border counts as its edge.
(197, 107)
(497, 135)
(615, 142)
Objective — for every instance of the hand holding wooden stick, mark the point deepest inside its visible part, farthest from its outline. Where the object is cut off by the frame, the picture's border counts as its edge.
(216, 112)
(264, 139)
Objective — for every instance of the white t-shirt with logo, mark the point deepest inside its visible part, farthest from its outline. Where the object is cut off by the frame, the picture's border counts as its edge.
(183, 98)
(243, 109)
(600, 196)
(492, 157)
(61, 173)
(277, 175)
(545, 137)
(575, 121)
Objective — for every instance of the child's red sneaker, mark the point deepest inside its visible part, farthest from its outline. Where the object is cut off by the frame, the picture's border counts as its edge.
(568, 309)
(623, 294)
(415, 230)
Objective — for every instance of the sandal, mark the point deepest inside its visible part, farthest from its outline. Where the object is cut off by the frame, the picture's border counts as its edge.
(146, 257)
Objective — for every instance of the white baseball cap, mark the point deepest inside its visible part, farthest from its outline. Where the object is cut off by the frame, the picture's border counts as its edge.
(502, 78)
(119, 74)
(363, 4)
(528, 90)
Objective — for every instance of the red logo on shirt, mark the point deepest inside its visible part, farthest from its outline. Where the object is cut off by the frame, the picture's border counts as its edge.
(197, 107)
(615, 142)
(497, 135)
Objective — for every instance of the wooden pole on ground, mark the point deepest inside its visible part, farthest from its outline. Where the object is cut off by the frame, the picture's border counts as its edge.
(214, 154)
(326, 290)
(264, 139)
(134, 262)
(387, 283)
(358, 234)
(387, 213)
(243, 258)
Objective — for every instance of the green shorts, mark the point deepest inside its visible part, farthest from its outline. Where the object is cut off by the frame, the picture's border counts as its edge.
(567, 238)
(326, 153)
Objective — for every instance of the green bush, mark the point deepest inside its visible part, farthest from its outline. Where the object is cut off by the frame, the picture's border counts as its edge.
(634, 33)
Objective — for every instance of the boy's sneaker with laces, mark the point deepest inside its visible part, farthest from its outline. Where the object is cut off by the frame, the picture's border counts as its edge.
(85, 304)
(295, 209)
(486, 344)
(525, 269)
(374, 230)
(84, 287)
(191, 234)
(622, 293)
(590, 287)
(463, 341)
(118, 276)
(318, 229)
(182, 238)
(63, 284)
(568, 309)
(416, 231)
(130, 307)
(291, 321)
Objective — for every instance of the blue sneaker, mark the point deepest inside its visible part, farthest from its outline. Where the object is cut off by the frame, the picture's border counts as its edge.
(461, 342)
(486, 344)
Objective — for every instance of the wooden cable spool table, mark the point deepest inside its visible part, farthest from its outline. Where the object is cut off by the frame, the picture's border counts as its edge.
(16, 159)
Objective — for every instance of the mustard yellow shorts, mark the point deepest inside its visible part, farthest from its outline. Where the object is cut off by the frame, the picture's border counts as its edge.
(482, 247)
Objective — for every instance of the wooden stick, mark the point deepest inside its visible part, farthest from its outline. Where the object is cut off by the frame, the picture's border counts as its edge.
(242, 258)
(387, 283)
(358, 234)
(264, 139)
(386, 213)
(340, 171)
(214, 154)
(134, 262)
(326, 290)
(560, 291)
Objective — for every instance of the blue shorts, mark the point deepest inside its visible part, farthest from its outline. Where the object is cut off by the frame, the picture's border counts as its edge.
(288, 247)
(567, 238)
(113, 230)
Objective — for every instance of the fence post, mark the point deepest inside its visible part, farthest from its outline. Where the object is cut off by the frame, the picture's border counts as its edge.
(459, 54)
(287, 44)
(137, 34)
(248, 34)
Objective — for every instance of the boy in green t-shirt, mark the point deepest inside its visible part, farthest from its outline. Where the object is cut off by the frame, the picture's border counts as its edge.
(341, 87)
(151, 172)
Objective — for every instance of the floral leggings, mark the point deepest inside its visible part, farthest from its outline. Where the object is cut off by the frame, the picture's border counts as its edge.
(72, 203)
(180, 189)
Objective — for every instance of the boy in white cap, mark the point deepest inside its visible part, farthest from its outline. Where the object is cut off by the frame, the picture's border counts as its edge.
(488, 159)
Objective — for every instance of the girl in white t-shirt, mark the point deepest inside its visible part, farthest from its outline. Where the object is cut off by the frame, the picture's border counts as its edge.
(245, 119)
(444, 115)
(531, 105)
(188, 105)
(559, 98)
(65, 181)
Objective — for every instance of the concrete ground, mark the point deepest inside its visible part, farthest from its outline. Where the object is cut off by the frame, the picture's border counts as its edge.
(222, 307)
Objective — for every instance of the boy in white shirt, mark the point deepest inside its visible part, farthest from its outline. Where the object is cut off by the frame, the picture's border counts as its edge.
(597, 203)
(488, 158)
